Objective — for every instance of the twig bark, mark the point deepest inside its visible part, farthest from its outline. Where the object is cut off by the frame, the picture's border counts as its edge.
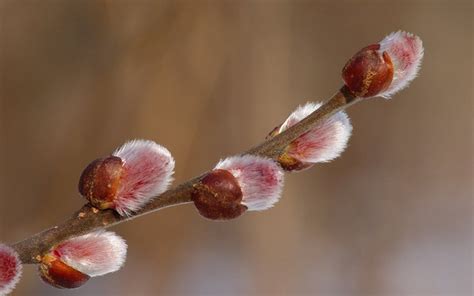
(89, 219)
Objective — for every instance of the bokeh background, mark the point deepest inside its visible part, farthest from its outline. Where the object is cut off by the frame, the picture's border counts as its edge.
(207, 79)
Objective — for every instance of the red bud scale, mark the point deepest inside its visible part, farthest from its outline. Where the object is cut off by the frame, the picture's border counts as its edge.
(368, 72)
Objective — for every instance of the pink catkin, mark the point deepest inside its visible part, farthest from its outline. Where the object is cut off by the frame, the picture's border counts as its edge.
(260, 179)
(10, 269)
(406, 52)
(322, 143)
(148, 169)
(311, 142)
(93, 254)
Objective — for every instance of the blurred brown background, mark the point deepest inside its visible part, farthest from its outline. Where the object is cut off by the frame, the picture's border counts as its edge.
(392, 216)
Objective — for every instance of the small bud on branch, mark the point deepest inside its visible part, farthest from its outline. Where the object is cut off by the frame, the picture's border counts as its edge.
(368, 72)
(218, 196)
(100, 180)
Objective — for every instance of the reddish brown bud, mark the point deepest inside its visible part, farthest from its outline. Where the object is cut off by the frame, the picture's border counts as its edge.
(368, 72)
(100, 181)
(218, 196)
(60, 275)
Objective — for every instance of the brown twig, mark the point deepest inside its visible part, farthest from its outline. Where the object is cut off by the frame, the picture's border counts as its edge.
(89, 219)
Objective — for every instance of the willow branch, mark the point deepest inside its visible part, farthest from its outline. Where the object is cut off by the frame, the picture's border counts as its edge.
(89, 219)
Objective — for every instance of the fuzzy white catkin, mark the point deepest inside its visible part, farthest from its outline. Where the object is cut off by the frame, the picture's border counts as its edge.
(322, 143)
(260, 179)
(406, 52)
(10, 269)
(148, 170)
(94, 254)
